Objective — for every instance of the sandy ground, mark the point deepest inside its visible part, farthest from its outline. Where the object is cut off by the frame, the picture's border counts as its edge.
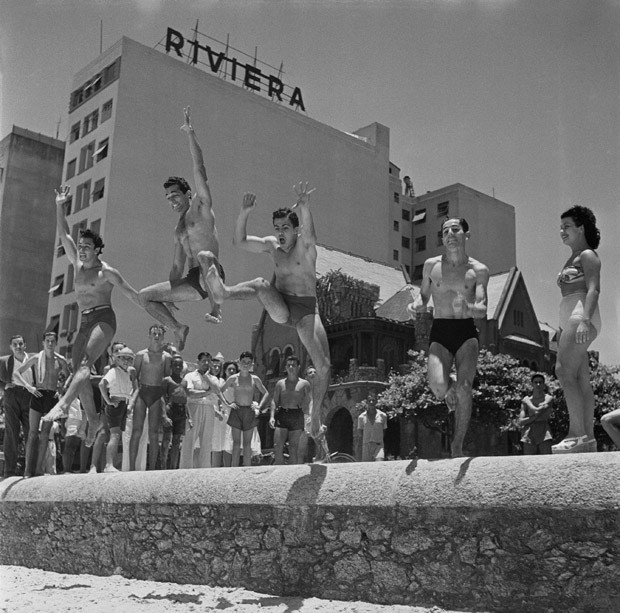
(31, 590)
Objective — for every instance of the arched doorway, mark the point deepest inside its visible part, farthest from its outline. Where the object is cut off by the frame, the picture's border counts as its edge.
(340, 432)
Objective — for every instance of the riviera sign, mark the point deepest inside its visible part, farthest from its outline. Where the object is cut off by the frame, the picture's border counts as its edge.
(251, 76)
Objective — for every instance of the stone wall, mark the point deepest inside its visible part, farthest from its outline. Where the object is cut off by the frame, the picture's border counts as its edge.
(529, 533)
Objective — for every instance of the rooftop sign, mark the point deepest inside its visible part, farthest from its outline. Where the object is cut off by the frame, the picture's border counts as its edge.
(250, 75)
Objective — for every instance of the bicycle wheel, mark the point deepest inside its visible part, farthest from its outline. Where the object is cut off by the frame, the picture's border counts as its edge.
(340, 457)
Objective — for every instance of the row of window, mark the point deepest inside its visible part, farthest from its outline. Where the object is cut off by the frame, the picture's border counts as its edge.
(88, 156)
(83, 195)
(90, 122)
(95, 226)
(94, 84)
(419, 216)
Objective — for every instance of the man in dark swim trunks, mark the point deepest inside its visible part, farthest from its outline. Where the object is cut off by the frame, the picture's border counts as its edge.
(291, 299)
(94, 281)
(152, 366)
(195, 241)
(458, 286)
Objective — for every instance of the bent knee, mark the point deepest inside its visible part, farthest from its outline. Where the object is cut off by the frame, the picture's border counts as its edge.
(206, 256)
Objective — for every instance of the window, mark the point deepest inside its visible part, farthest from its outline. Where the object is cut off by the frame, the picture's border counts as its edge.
(60, 250)
(395, 254)
(54, 324)
(56, 289)
(417, 271)
(405, 215)
(420, 243)
(75, 231)
(86, 156)
(443, 209)
(75, 132)
(90, 122)
(439, 238)
(95, 226)
(517, 318)
(419, 216)
(405, 242)
(396, 226)
(71, 169)
(102, 150)
(70, 279)
(98, 190)
(82, 196)
(69, 321)
(94, 84)
(396, 197)
(106, 111)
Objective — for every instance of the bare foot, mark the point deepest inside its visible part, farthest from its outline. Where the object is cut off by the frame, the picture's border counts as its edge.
(181, 336)
(93, 470)
(215, 316)
(56, 413)
(93, 429)
(110, 469)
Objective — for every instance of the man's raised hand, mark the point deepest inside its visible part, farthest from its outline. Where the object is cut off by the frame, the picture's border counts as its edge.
(187, 126)
(63, 194)
(249, 201)
(303, 193)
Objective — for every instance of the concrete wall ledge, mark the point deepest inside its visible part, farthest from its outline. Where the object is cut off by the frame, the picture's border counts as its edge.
(527, 533)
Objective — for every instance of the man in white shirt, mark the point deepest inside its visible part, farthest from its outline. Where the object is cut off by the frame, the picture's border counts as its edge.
(372, 422)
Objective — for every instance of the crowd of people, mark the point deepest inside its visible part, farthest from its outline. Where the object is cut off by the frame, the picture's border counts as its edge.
(162, 412)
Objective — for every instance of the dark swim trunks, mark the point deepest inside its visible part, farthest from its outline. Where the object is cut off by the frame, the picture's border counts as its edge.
(452, 333)
(289, 419)
(102, 314)
(45, 403)
(298, 308)
(177, 413)
(242, 418)
(117, 415)
(193, 278)
(150, 394)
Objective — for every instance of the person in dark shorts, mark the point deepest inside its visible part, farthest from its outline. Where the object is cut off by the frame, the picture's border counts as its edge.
(458, 285)
(175, 396)
(46, 365)
(291, 401)
(119, 390)
(535, 412)
(244, 409)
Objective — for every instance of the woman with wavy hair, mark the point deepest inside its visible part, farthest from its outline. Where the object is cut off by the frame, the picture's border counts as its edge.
(580, 324)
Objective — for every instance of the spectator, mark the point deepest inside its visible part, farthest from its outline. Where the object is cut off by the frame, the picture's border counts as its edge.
(535, 412)
(175, 396)
(372, 422)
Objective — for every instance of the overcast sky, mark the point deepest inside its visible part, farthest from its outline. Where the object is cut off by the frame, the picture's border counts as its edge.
(519, 98)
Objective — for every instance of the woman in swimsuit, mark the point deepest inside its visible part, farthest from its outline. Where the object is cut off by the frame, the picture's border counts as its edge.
(580, 324)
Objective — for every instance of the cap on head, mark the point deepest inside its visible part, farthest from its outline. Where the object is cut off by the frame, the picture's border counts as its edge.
(125, 351)
(537, 375)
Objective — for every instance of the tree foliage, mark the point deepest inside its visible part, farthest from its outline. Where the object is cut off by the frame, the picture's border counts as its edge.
(500, 384)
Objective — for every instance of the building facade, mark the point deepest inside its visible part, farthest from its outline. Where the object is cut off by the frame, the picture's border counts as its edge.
(30, 169)
(125, 111)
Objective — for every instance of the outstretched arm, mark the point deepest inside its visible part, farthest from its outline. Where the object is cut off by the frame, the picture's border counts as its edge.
(115, 278)
(62, 226)
(306, 223)
(241, 239)
(200, 173)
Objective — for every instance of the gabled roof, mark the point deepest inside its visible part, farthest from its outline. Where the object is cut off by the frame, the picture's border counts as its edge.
(389, 279)
(395, 308)
(496, 291)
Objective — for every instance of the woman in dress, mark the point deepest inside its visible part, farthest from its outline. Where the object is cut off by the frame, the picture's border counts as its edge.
(580, 324)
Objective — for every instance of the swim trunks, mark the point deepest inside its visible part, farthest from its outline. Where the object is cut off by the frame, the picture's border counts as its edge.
(177, 413)
(45, 403)
(117, 415)
(242, 418)
(289, 419)
(452, 333)
(102, 314)
(150, 394)
(193, 278)
(298, 308)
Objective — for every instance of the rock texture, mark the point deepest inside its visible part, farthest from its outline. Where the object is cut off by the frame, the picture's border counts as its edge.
(537, 533)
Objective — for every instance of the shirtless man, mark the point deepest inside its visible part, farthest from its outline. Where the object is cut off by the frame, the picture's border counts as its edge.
(94, 281)
(291, 300)
(245, 409)
(291, 401)
(48, 365)
(195, 241)
(152, 365)
(458, 286)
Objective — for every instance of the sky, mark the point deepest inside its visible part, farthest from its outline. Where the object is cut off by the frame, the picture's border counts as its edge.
(515, 98)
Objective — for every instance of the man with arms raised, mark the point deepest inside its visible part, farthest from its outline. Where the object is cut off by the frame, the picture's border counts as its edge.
(195, 241)
(291, 300)
(94, 281)
(458, 285)
(152, 366)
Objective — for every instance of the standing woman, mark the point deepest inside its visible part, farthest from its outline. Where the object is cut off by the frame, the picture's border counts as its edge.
(580, 324)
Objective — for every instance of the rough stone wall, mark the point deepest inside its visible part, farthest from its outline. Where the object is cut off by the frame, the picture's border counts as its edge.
(494, 534)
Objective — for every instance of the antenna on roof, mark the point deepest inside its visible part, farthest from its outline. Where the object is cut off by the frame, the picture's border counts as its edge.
(100, 36)
(58, 127)
(189, 57)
